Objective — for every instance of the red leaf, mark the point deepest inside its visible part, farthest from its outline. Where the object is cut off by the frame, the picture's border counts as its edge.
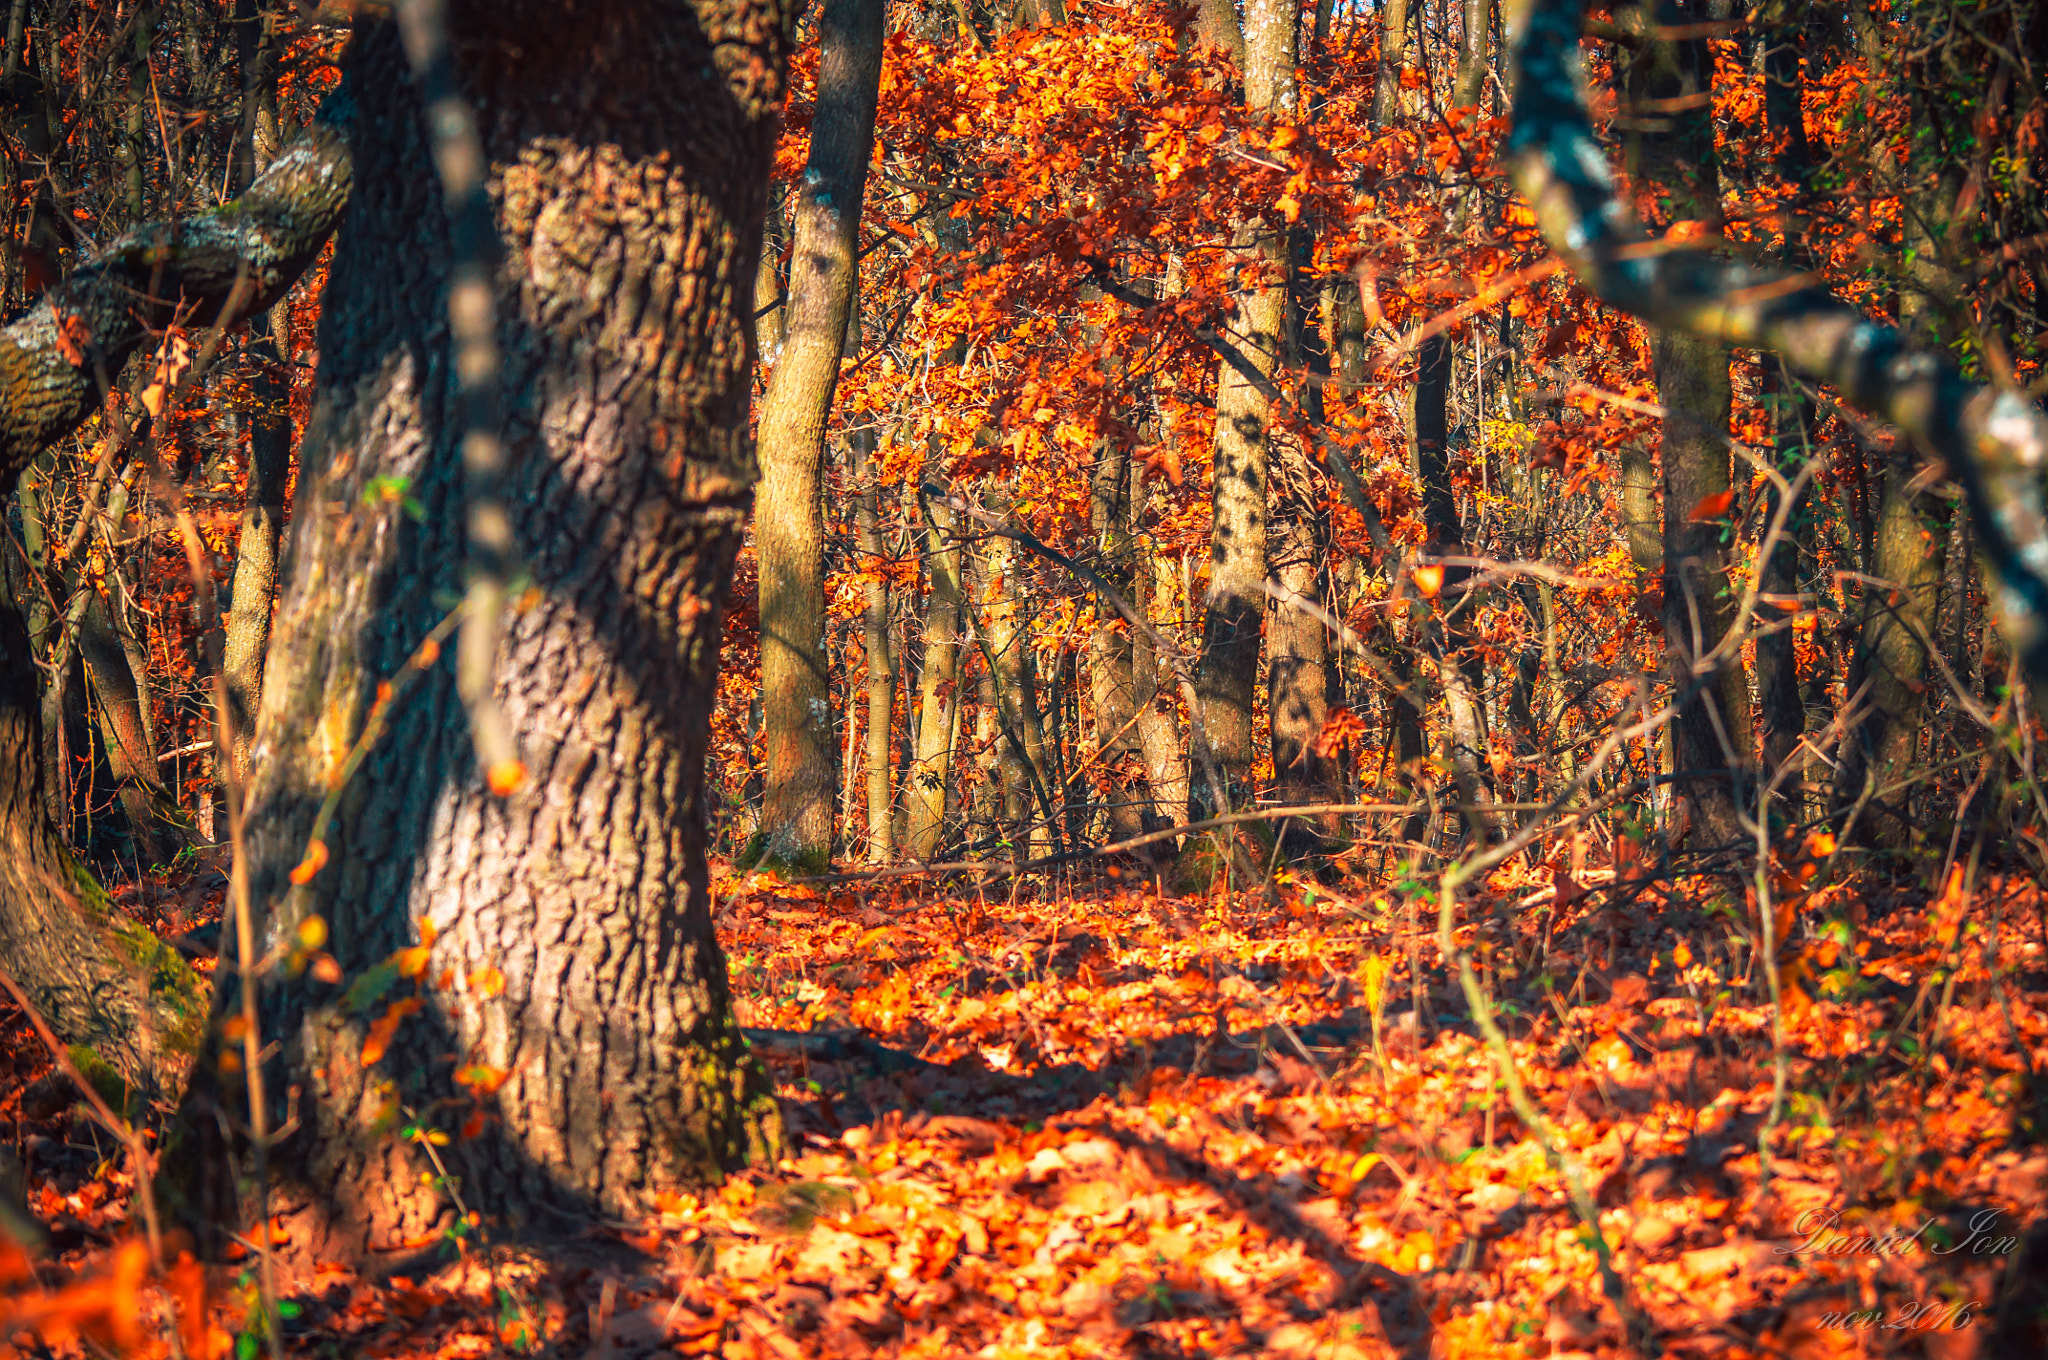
(1711, 507)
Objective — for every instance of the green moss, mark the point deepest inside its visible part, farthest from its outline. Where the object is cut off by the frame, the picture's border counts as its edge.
(758, 854)
(734, 1119)
(175, 986)
(1197, 867)
(111, 1085)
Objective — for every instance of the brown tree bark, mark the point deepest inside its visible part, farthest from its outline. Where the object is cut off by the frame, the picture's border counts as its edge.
(1228, 680)
(1443, 620)
(930, 773)
(127, 722)
(1166, 762)
(566, 928)
(1890, 667)
(103, 982)
(1710, 734)
(881, 679)
(1112, 682)
(1781, 707)
(789, 525)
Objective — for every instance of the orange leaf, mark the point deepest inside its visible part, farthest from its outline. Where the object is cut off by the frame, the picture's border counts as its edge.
(487, 980)
(379, 1038)
(412, 962)
(74, 338)
(1711, 507)
(315, 860)
(483, 1079)
(1429, 580)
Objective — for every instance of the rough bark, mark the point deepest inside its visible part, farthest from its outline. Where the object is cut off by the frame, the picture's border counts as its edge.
(628, 149)
(105, 983)
(1231, 627)
(102, 982)
(789, 527)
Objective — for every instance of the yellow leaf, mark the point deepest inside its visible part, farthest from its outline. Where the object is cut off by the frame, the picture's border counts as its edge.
(487, 980)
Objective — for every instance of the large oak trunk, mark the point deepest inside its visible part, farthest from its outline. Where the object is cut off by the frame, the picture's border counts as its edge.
(569, 924)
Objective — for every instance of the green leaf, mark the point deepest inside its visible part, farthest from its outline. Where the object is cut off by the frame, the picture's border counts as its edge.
(370, 987)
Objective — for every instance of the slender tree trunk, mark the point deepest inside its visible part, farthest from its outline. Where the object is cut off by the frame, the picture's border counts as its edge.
(1166, 764)
(790, 515)
(567, 943)
(1028, 795)
(881, 682)
(1449, 631)
(1781, 707)
(127, 726)
(1111, 675)
(255, 583)
(926, 780)
(1710, 735)
(1397, 17)
(1472, 44)
(1891, 662)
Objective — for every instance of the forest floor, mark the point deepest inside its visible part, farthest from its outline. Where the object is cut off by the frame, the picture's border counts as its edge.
(1102, 1120)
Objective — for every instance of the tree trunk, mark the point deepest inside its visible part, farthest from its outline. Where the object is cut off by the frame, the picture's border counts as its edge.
(789, 535)
(1112, 680)
(1710, 735)
(1166, 765)
(1781, 708)
(567, 943)
(127, 727)
(1891, 664)
(1446, 630)
(255, 584)
(106, 984)
(929, 774)
(1228, 682)
(881, 685)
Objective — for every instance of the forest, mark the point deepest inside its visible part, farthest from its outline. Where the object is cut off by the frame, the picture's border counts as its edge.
(1023, 677)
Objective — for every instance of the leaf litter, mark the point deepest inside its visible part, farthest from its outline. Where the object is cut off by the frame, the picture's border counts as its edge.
(1115, 1121)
